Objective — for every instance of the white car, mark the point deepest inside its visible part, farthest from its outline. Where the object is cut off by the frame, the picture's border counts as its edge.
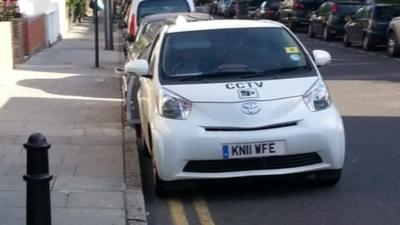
(142, 8)
(236, 98)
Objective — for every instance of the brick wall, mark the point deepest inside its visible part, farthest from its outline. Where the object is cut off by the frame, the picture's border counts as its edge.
(18, 40)
(34, 34)
(6, 52)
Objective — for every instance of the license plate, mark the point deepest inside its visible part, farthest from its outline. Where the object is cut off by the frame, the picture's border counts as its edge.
(252, 150)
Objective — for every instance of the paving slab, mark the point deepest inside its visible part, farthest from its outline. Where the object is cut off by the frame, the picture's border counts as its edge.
(12, 216)
(55, 169)
(73, 183)
(11, 149)
(68, 216)
(17, 199)
(96, 200)
(95, 169)
(101, 150)
(12, 183)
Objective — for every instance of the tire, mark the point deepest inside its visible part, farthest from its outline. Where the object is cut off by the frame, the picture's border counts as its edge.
(291, 25)
(367, 45)
(311, 33)
(160, 187)
(328, 177)
(143, 147)
(327, 36)
(346, 41)
(393, 45)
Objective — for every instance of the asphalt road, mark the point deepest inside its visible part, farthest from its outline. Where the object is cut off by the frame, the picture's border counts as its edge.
(365, 87)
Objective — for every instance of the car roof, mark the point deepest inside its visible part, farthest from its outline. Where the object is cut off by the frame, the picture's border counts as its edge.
(190, 16)
(387, 4)
(220, 24)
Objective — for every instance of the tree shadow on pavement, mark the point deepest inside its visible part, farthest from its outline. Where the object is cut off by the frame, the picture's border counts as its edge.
(78, 85)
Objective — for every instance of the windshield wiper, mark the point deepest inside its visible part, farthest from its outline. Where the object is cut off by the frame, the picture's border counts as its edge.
(277, 71)
(219, 74)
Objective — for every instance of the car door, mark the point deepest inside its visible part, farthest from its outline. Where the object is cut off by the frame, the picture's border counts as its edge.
(360, 24)
(354, 25)
(321, 17)
(146, 94)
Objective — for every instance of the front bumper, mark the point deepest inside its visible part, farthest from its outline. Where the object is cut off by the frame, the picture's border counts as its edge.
(176, 142)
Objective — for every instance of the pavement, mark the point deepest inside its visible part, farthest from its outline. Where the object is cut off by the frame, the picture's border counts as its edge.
(93, 156)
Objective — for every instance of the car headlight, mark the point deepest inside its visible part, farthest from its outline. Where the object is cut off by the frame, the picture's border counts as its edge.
(317, 98)
(172, 106)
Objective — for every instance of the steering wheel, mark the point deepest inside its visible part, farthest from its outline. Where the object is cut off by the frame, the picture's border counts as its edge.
(184, 67)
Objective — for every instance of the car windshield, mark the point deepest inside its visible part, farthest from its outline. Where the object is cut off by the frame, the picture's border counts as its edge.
(150, 7)
(240, 53)
(273, 3)
(386, 13)
(348, 9)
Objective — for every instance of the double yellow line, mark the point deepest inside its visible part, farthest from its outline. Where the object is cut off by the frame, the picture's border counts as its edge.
(178, 212)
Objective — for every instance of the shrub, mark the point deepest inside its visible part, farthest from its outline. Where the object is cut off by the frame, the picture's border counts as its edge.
(9, 10)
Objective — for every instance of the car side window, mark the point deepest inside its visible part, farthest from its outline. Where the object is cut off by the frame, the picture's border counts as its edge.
(151, 55)
(359, 14)
(368, 12)
(325, 9)
(145, 54)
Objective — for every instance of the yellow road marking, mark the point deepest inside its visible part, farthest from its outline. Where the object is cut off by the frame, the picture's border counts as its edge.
(202, 211)
(177, 212)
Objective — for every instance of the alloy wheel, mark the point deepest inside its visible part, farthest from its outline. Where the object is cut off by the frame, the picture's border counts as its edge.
(392, 46)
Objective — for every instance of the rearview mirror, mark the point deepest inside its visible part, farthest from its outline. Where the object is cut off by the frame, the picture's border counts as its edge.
(139, 67)
(321, 57)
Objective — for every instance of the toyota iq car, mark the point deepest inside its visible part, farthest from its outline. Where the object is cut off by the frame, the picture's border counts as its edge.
(236, 98)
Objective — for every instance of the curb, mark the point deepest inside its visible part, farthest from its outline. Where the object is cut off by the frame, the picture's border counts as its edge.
(135, 210)
(134, 198)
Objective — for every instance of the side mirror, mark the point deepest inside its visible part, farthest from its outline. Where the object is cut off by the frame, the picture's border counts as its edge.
(321, 57)
(130, 38)
(139, 67)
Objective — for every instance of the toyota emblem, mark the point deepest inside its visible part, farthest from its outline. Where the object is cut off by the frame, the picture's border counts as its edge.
(250, 108)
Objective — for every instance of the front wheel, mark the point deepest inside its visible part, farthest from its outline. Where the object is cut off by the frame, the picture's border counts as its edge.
(327, 36)
(291, 25)
(311, 33)
(367, 44)
(393, 46)
(346, 40)
(328, 177)
(160, 187)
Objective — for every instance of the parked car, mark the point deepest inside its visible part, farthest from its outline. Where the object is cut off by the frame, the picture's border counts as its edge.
(151, 24)
(296, 13)
(393, 44)
(139, 49)
(143, 8)
(231, 9)
(213, 7)
(221, 6)
(267, 10)
(236, 98)
(252, 7)
(329, 19)
(368, 27)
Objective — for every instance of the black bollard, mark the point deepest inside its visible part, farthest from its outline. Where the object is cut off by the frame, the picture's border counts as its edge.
(38, 208)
